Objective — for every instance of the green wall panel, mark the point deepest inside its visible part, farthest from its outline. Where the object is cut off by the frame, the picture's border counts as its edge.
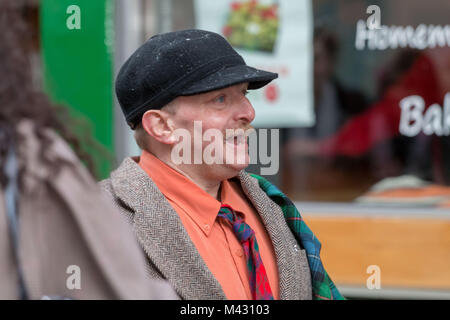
(78, 66)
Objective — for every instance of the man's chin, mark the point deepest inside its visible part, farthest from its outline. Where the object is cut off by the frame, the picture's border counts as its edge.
(227, 171)
(237, 167)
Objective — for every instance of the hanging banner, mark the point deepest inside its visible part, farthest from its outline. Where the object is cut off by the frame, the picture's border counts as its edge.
(274, 36)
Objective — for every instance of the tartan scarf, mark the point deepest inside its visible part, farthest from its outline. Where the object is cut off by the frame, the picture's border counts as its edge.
(259, 284)
(323, 287)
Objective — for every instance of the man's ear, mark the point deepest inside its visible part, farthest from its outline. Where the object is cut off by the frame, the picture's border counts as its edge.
(158, 124)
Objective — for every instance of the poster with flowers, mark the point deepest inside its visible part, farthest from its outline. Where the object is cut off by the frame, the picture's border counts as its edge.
(273, 35)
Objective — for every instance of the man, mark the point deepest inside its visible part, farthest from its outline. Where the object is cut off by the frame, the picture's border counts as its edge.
(206, 226)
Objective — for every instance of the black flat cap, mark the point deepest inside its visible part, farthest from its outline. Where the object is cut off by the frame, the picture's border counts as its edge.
(181, 63)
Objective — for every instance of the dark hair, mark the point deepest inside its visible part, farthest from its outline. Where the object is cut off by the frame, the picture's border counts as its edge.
(19, 97)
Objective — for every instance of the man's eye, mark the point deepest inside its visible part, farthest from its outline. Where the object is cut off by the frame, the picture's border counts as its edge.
(220, 99)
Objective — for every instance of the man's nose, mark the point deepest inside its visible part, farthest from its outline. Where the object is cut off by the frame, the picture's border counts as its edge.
(245, 112)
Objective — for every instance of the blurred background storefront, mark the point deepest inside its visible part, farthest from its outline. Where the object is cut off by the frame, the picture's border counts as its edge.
(364, 115)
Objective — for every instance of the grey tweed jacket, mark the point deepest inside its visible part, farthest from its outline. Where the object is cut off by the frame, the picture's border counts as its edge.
(171, 253)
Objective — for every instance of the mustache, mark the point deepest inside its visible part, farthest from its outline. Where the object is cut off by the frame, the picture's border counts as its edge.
(243, 128)
(241, 132)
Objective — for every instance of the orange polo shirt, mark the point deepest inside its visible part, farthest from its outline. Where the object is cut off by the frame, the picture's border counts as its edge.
(214, 238)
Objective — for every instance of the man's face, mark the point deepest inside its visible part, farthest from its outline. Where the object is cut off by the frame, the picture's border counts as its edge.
(223, 111)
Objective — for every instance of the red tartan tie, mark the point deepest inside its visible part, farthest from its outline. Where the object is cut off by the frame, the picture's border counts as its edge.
(259, 284)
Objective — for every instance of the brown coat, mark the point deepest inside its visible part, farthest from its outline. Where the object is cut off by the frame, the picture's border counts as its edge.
(65, 221)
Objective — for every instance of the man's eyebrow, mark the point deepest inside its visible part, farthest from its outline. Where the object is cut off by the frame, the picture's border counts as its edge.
(211, 94)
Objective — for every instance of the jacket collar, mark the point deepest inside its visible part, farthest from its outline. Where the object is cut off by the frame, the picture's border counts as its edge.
(273, 219)
(162, 235)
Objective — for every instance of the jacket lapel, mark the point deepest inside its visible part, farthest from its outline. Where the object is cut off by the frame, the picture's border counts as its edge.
(162, 235)
(282, 239)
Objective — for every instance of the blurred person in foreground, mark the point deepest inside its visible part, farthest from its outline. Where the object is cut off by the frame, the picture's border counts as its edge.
(208, 227)
(59, 238)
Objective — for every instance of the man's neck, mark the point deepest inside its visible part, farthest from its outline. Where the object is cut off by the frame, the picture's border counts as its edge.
(209, 186)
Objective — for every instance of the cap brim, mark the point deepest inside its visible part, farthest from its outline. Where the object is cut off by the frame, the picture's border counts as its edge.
(231, 76)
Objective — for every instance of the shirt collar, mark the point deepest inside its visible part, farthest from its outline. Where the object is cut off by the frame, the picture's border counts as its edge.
(200, 206)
